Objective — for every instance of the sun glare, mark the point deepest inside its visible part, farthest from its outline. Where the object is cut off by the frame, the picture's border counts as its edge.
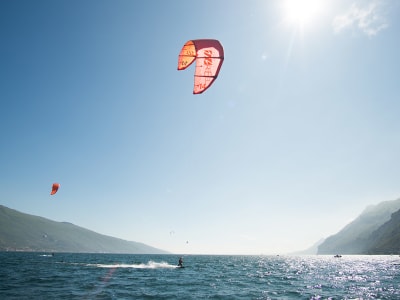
(302, 12)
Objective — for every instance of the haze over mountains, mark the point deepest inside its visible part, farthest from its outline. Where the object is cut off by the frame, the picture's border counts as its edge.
(24, 232)
(375, 231)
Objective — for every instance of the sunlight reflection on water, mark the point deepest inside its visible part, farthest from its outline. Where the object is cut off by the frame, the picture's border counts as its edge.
(108, 276)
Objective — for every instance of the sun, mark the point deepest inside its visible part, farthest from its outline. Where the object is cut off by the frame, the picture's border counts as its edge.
(302, 12)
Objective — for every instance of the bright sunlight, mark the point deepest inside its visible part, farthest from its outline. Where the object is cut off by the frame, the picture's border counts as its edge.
(302, 12)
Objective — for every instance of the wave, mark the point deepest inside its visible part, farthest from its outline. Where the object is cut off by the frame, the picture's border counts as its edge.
(148, 265)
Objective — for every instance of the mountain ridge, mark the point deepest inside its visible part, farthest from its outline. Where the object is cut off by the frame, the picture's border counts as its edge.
(24, 232)
(386, 239)
(361, 236)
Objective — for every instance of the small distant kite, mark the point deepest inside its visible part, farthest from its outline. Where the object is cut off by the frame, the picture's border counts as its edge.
(209, 56)
(55, 188)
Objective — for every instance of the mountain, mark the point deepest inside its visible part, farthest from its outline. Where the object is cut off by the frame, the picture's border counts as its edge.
(357, 237)
(386, 239)
(24, 232)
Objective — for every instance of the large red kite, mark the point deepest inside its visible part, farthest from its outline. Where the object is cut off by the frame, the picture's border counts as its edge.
(209, 55)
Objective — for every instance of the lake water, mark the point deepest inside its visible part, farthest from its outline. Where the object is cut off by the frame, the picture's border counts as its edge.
(121, 276)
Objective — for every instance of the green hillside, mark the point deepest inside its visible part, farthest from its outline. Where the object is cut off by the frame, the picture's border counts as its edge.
(24, 232)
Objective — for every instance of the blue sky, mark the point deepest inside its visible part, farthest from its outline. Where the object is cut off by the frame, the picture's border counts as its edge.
(299, 133)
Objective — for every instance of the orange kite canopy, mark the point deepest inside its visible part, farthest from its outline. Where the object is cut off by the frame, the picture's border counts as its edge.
(55, 188)
(209, 55)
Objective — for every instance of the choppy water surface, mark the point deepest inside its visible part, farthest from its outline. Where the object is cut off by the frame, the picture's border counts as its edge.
(110, 276)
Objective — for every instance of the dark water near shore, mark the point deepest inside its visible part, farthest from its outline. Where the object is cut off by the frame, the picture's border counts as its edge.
(111, 276)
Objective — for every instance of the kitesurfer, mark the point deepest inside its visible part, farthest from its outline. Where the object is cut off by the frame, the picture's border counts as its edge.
(180, 263)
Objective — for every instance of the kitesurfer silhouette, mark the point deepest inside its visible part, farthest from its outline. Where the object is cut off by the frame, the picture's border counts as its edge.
(180, 263)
